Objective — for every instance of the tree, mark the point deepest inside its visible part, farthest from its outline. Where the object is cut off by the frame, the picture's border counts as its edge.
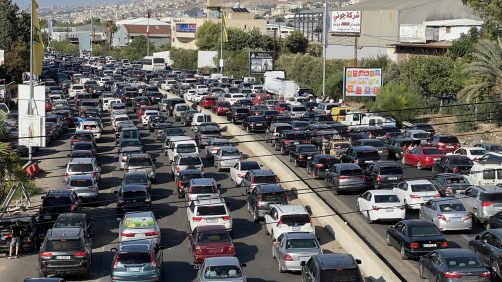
(8, 24)
(394, 98)
(315, 50)
(280, 19)
(208, 36)
(17, 61)
(491, 12)
(464, 46)
(296, 42)
(184, 59)
(136, 49)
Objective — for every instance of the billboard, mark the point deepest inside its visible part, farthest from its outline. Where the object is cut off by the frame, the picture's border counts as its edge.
(362, 82)
(32, 131)
(260, 62)
(84, 41)
(31, 116)
(207, 59)
(186, 27)
(346, 21)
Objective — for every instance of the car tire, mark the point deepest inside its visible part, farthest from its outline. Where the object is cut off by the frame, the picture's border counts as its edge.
(387, 240)
(281, 270)
(421, 271)
(368, 218)
(290, 158)
(153, 180)
(255, 217)
(296, 163)
(419, 166)
(495, 268)
(402, 253)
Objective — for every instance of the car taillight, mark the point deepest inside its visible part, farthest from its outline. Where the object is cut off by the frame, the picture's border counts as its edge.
(252, 180)
(79, 254)
(288, 257)
(452, 275)
(94, 188)
(455, 170)
(123, 234)
(415, 196)
(441, 217)
(437, 196)
(230, 249)
(196, 218)
(319, 165)
(300, 157)
(468, 216)
(260, 199)
(152, 233)
(45, 255)
(402, 207)
(115, 262)
(342, 177)
(177, 169)
(120, 202)
(94, 174)
(378, 178)
(148, 200)
(375, 208)
(73, 207)
(227, 217)
(486, 204)
(180, 184)
(414, 245)
(286, 197)
(444, 244)
(198, 250)
(485, 274)
(280, 221)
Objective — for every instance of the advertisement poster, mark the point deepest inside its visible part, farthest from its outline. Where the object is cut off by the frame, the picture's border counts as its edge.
(346, 22)
(362, 82)
(32, 131)
(260, 62)
(185, 27)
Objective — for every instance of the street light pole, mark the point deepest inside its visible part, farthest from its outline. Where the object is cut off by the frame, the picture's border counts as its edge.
(148, 32)
(324, 47)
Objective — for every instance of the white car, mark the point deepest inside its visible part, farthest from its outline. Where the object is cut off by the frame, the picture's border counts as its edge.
(92, 126)
(198, 96)
(287, 218)
(209, 211)
(146, 116)
(139, 225)
(380, 205)
(189, 94)
(74, 89)
(239, 170)
(167, 85)
(200, 89)
(413, 193)
(472, 153)
(117, 118)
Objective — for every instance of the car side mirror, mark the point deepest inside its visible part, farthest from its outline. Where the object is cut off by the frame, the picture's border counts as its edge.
(358, 261)
(302, 263)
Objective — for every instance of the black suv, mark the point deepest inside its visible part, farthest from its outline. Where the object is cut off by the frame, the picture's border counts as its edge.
(331, 267)
(237, 114)
(30, 231)
(362, 155)
(59, 201)
(65, 251)
(264, 195)
(288, 139)
(384, 174)
(302, 153)
(254, 124)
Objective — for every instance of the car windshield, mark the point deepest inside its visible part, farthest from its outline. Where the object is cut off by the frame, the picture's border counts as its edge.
(80, 168)
(63, 245)
(432, 151)
(174, 131)
(81, 182)
(301, 244)
(391, 170)
(202, 189)
(213, 237)
(136, 178)
(134, 258)
(295, 219)
(374, 143)
(68, 222)
(386, 199)
(211, 210)
(449, 139)
(190, 161)
(492, 197)
(134, 195)
(186, 148)
(494, 148)
(461, 161)
(462, 262)
(340, 275)
(226, 153)
(422, 188)
(143, 162)
(348, 172)
(457, 180)
(478, 152)
(451, 207)
(274, 196)
(328, 161)
(425, 230)
(222, 271)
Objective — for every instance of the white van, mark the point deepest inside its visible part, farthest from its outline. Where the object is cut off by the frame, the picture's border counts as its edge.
(485, 174)
(181, 145)
(92, 126)
(199, 118)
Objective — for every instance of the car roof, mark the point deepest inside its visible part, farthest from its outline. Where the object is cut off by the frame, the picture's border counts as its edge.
(455, 253)
(270, 188)
(57, 193)
(417, 182)
(202, 181)
(417, 222)
(81, 160)
(139, 155)
(382, 192)
(65, 233)
(133, 246)
(490, 188)
(299, 235)
(133, 187)
(348, 166)
(134, 173)
(262, 172)
(335, 261)
(215, 261)
(291, 209)
(446, 200)
(191, 171)
(210, 200)
(364, 148)
(387, 164)
(80, 177)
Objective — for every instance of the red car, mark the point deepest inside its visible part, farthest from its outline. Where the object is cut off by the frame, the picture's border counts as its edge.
(445, 143)
(207, 102)
(422, 157)
(221, 108)
(48, 105)
(210, 241)
(281, 106)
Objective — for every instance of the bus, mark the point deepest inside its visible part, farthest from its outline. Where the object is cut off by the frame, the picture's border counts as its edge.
(151, 63)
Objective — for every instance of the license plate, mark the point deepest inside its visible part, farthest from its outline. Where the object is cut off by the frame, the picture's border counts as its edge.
(429, 245)
(259, 124)
(140, 235)
(295, 228)
(389, 209)
(455, 219)
(368, 162)
(133, 269)
(47, 217)
(296, 143)
(62, 257)
(310, 157)
(392, 178)
(303, 258)
(211, 220)
(426, 198)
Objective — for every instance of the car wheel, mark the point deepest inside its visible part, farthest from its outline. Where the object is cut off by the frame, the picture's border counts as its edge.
(283, 151)
(296, 163)
(419, 166)
(387, 240)
(255, 217)
(281, 270)
(402, 253)
(495, 268)
(368, 218)
(421, 270)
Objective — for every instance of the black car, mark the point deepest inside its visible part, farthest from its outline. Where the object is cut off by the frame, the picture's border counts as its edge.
(133, 197)
(65, 251)
(321, 138)
(489, 250)
(58, 201)
(384, 174)
(269, 115)
(331, 267)
(75, 220)
(255, 124)
(169, 132)
(383, 151)
(398, 146)
(154, 97)
(237, 114)
(299, 124)
(30, 233)
(494, 148)
(245, 103)
(302, 153)
(391, 131)
(495, 221)
(170, 103)
(153, 121)
(450, 184)
(365, 132)
(453, 164)
(264, 195)
(288, 139)
(451, 264)
(362, 155)
(182, 180)
(319, 164)
(415, 238)
(425, 127)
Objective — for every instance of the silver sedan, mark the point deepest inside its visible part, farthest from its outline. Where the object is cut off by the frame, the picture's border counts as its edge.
(290, 249)
(447, 214)
(226, 157)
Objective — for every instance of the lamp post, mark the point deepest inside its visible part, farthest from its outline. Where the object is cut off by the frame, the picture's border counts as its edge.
(148, 12)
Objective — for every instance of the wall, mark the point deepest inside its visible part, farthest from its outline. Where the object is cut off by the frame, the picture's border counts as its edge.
(437, 10)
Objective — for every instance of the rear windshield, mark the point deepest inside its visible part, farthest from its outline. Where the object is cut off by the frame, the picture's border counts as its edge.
(298, 109)
(250, 166)
(391, 170)
(275, 196)
(463, 262)
(421, 135)
(424, 230)
(295, 219)
(242, 111)
(83, 146)
(63, 245)
(190, 161)
(301, 244)
(478, 152)
(174, 131)
(188, 177)
(210, 131)
(222, 272)
(307, 149)
(213, 237)
(386, 199)
(282, 128)
(328, 161)
(456, 180)
(264, 179)
(140, 162)
(448, 139)
(348, 172)
(451, 207)
(134, 258)
(136, 178)
(131, 195)
(202, 189)
(186, 148)
(81, 182)
(230, 153)
(182, 108)
(493, 197)
(374, 143)
(368, 154)
(461, 161)
(56, 201)
(340, 275)
(422, 188)
(212, 210)
(432, 152)
(80, 168)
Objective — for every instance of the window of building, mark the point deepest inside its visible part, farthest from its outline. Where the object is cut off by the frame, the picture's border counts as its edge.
(448, 29)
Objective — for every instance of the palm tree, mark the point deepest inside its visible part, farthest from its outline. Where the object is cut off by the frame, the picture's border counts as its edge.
(486, 72)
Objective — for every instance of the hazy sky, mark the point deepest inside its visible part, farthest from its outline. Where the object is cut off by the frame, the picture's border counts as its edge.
(23, 4)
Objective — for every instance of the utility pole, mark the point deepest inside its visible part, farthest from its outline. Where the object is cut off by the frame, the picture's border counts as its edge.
(324, 47)
(355, 49)
(92, 32)
(148, 32)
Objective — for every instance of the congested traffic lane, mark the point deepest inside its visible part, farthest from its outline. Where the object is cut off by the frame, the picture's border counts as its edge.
(253, 247)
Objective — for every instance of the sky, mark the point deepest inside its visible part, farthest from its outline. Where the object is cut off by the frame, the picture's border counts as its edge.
(23, 4)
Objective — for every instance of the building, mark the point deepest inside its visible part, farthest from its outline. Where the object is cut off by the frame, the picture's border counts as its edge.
(279, 30)
(390, 26)
(71, 34)
(127, 30)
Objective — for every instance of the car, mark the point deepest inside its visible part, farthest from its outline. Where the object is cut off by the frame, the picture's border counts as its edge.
(422, 157)
(254, 124)
(201, 187)
(157, 122)
(210, 210)
(383, 151)
(221, 108)
(262, 197)
(147, 114)
(380, 205)
(180, 145)
(31, 233)
(399, 145)
(275, 129)
(83, 166)
(239, 170)
(226, 157)
(257, 176)
(210, 241)
(287, 218)
(361, 155)
(125, 153)
(65, 251)
(447, 213)
(75, 220)
(365, 132)
(491, 158)
(451, 265)
(453, 164)
(185, 161)
(482, 201)
(413, 193)
(133, 197)
(320, 164)
(139, 225)
(288, 139)
(487, 248)
(55, 202)
(331, 267)
(90, 146)
(445, 143)
(302, 153)
(206, 133)
(85, 186)
(384, 174)
(140, 260)
(345, 177)
(415, 238)
(291, 249)
(490, 147)
(472, 153)
(137, 162)
(221, 269)
(137, 178)
(207, 102)
(237, 114)
(214, 144)
(450, 184)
